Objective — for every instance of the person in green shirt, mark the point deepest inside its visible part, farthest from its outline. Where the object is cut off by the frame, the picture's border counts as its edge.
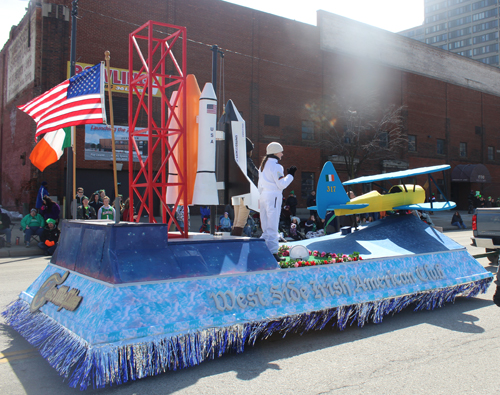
(106, 211)
(32, 224)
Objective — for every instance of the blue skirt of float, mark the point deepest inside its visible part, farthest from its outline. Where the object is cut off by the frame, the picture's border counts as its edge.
(119, 302)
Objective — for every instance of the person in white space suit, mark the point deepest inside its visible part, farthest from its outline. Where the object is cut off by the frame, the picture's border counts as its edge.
(272, 181)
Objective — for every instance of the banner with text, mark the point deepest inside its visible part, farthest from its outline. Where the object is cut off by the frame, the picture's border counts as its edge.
(98, 143)
(120, 78)
(134, 311)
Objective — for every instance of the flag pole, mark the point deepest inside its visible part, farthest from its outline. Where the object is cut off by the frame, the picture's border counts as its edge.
(73, 141)
(69, 164)
(112, 123)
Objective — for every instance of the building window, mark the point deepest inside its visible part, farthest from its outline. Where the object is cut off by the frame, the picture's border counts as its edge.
(460, 44)
(384, 140)
(435, 7)
(435, 18)
(481, 4)
(459, 33)
(436, 28)
(440, 146)
(307, 185)
(485, 14)
(367, 187)
(485, 37)
(467, 53)
(440, 184)
(271, 120)
(485, 26)
(459, 10)
(459, 21)
(120, 109)
(489, 60)
(436, 39)
(412, 143)
(486, 49)
(307, 130)
(463, 150)
(491, 153)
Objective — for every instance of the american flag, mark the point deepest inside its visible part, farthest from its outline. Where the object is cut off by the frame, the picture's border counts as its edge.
(211, 108)
(77, 101)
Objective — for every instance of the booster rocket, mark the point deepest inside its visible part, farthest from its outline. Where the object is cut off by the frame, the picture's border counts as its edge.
(205, 186)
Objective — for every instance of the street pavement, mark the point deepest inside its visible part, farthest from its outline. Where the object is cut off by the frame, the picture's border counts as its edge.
(452, 350)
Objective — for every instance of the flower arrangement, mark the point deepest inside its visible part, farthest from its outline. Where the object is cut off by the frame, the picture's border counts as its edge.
(316, 258)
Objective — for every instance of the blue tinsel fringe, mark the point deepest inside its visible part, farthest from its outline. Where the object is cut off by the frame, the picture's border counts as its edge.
(112, 364)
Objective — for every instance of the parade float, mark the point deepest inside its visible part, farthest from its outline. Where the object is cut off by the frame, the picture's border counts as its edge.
(123, 301)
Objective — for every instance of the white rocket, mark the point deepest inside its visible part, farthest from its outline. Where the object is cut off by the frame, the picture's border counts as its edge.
(205, 186)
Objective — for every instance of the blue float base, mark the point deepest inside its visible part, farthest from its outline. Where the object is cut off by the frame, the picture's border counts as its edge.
(117, 363)
(177, 316)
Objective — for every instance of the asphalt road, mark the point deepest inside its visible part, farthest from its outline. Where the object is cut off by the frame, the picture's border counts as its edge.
(453, 350)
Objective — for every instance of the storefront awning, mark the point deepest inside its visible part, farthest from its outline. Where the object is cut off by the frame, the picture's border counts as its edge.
(470, 173)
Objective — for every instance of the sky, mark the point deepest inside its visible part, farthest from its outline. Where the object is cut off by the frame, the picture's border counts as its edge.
(392, 15)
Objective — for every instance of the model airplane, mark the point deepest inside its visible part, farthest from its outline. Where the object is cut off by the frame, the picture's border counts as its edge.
(331, 196)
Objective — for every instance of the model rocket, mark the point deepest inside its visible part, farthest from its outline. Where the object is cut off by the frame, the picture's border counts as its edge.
(191, 142)
(205, 186)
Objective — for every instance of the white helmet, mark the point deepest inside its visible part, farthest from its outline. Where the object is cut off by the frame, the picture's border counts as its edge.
(274, 148)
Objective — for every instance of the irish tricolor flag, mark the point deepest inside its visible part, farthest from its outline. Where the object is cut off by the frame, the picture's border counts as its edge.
(330, 178)
(50, 148)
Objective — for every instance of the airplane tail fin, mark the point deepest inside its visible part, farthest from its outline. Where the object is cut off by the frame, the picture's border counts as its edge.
(329, 191)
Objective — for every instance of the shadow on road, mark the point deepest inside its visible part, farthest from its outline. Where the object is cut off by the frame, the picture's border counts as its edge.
(37, 377)
(30, 258)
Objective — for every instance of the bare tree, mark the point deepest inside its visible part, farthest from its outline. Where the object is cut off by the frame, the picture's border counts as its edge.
(359, 128)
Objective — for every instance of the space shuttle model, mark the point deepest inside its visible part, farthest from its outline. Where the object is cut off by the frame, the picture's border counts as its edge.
(202, 146)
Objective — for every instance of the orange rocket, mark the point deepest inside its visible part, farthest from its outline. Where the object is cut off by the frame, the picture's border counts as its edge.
(193, 94)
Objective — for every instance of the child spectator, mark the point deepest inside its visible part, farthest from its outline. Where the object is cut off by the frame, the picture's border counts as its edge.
(106, 211)
(225, 223)
(49, 237)
(205, 227)
(179, 216)
(32, 224)
(310, 225)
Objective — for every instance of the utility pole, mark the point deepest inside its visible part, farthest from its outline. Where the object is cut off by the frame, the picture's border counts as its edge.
(215, 53)
(69, 150)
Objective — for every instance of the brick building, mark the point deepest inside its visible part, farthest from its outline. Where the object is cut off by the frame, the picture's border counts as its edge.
(273, 68)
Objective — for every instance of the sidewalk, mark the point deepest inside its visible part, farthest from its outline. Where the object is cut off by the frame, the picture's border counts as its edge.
(19, 250)
(439, 218)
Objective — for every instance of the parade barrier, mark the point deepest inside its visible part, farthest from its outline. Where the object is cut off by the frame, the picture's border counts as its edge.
(119, 311)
